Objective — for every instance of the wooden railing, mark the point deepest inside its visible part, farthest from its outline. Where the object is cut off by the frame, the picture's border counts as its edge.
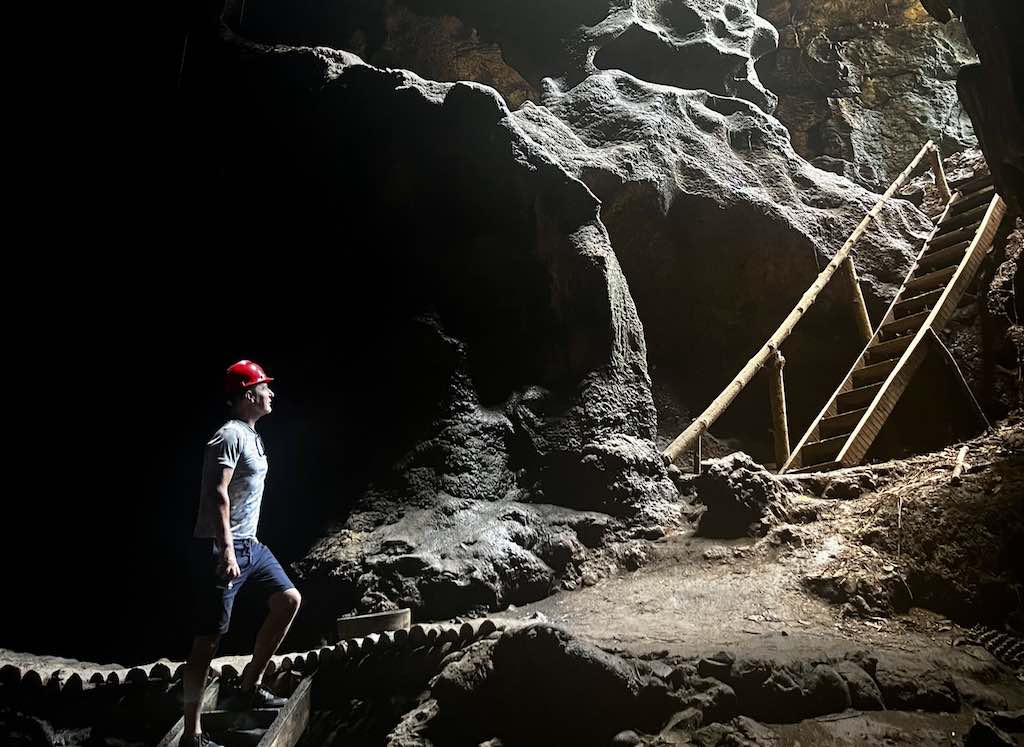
(689, 440)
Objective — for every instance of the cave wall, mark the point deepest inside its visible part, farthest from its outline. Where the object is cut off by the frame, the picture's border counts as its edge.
(862, 84)
(991, 90)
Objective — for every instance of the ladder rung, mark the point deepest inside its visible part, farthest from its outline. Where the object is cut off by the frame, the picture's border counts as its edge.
(929, 249)
(857, 398)
(822, 451)
(883, 351)
(953, 237)
(930, 281)
(820, 467)
(967, 299)
(840, 424)
(903, 325)
(972, 184)
(917, 303)
(930, 259)
(963, 219)
(966, 203)
(224, 720)
(944, 231)
(242, 737)
(874, 373)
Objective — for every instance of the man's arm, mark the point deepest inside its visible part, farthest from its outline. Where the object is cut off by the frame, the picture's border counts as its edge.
(228, 565)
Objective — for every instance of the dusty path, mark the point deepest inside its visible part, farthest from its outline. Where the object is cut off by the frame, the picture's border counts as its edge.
(697, 594)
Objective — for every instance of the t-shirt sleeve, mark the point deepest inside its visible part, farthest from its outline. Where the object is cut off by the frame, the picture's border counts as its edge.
(225, 448)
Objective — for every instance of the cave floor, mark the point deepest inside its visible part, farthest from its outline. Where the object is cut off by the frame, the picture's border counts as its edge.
(697, 594)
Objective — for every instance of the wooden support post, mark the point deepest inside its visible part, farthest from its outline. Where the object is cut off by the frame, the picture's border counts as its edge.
(778, 401)
(959, 467)
(940, 175)
(860, 309)
(696, 456)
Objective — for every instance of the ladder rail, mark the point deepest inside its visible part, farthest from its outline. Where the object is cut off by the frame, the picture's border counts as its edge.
(292, 719)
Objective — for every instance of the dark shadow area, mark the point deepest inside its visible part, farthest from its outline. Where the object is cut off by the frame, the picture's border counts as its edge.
(640, 51)
(256, 240)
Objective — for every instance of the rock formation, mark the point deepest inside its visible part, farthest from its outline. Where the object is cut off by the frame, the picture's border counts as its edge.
(991, 90)
(862, 85)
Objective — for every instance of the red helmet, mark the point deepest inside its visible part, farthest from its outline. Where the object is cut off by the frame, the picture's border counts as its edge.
(243, 375)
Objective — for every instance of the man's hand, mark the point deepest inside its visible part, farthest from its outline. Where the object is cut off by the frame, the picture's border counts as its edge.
(228, 568)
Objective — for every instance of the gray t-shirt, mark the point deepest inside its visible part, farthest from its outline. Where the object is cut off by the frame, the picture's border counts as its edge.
(239, 446)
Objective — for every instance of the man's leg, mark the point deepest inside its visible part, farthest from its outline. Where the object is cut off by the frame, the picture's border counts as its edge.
(212, 601)
(283, 606)
(194, 680)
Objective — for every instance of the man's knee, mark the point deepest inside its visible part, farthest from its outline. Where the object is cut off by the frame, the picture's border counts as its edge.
(204, 647)
(286, 601)
(208, 642)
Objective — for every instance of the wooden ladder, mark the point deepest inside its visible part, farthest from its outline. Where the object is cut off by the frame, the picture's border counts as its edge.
(844, 430)
(262, 727)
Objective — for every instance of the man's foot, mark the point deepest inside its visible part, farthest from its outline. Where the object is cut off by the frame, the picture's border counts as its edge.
(258, 697)
(197, 740)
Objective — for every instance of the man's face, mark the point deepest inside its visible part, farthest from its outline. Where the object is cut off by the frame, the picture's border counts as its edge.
(262, 398)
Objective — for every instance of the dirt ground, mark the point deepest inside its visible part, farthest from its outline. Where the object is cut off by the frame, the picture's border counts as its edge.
(696, 594)
(888, 567)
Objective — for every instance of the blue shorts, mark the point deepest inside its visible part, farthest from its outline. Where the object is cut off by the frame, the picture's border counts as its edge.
(213, 597)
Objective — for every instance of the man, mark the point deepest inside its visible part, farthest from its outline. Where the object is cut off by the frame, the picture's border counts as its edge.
(226, 554)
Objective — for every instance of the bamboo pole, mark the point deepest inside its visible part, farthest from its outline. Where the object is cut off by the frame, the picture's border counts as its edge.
(860, 309)
(940, 175)
(778, 402)
(685, 440)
